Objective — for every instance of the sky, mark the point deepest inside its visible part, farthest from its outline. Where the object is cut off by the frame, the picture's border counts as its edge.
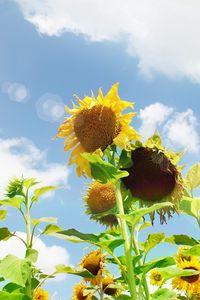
(51, 50)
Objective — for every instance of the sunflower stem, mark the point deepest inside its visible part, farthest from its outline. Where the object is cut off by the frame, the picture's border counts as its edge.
(28, 241)
(127, 246)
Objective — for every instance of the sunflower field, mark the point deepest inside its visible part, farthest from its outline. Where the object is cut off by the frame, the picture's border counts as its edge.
(131, 183)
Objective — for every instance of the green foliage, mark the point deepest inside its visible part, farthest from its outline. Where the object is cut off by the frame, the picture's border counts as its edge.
(103, 171)
(13, 202)
(191, 206)
(153, 240)
(13, 296)
(74, 271)
(193, 177)
(3, 214)
(15, 269)
(42, 191)
(164, 294)
(5, 234)
(155, 263)
(181, 239)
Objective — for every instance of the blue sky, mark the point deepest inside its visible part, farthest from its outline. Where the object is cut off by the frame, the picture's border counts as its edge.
(37, 60)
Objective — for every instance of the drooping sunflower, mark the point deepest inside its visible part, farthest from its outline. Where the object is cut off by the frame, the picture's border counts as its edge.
(94, 263)
(108, 289)
(94, 125)
(155, 176)
(80, 292)
(40, 294)
(188, 284)
(156, 278)
(99, 199)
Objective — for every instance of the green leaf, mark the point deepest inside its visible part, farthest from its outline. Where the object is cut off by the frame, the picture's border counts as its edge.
(15, 269)
(155, 263)
(13, 296)
(164, 294)
(191, 206)
(3, 214)
(5, 234)
(13, 202)
(193, 177)
(31, 255)
(13, 287)
(181, 239)
(123, 297)
(29, 182)
(109, 242)
(153, 240)
(125, 160)
(74, 271)
(103, 171)
(171, 272)
(195, 250)
(43, 190)
(143, 226)
(134, 217)
(35, 222)
(72, 234)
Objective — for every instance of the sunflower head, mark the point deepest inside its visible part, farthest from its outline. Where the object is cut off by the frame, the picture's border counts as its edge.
(40, 294)
(156, 278)
(80, 292)
(94, 263)
(188, 284)
(94, 124)
(183, 259)
(155, 177)
(99, 199)
(107, 283)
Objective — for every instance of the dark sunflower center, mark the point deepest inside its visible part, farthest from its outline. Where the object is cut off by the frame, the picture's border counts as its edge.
(108, 290)
(157, 277)
(152, 176)
(92, 266)
(80, 296)
(192, 278)
(96, 127)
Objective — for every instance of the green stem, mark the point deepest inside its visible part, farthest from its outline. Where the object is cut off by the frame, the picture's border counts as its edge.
(28, 242)
(143, 279)
(127, 245)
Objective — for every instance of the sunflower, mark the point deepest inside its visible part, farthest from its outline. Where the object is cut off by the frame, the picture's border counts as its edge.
(99, 199)
(181, 257)
(94, 263)
(80, 292)
(155, 176)
(188, 284)
(107, 283)
(156, 278)
(40, 294)
(94, 125)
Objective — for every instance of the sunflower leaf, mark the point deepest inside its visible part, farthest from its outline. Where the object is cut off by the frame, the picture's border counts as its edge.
(193, 177)
(153, 240)
(195, 250)
(13, 296)
(171, 272)
(191, 206)
(102, 170)
(164, 294)
(134, 217)
(36, 222)
(13, 202)
(74, 271)
(181, 239)
(155, 263)
(5, 234)
(43, 190)
(3, 214)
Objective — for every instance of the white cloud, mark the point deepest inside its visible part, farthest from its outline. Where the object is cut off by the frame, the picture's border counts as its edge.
(15, 91)
(181, 131)
(50, 107)
(162, 34)
(152, 116)
(48, 258)
(19, 156)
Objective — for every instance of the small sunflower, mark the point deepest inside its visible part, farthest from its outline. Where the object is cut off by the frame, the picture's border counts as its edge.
(94, 125)
(40, 294)
(99, 199)
(155, 176)
(80, 292)
(107, 283)
(182, 258)
(188, 284)
(156, 278)
(94, 263)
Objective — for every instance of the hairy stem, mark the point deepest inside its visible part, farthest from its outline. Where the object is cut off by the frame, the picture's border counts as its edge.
(127, 245)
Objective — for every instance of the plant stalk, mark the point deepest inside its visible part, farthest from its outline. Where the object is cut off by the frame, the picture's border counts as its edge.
(28, 242)
(127, 245)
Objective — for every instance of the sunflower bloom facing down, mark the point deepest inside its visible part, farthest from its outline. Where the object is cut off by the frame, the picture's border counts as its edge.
(156, 278)
(80, 292)
(155, 176)
(99, 199)
(107, 283)
(40, 294)
(94, 125)
(188, 284)
(94, 263)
